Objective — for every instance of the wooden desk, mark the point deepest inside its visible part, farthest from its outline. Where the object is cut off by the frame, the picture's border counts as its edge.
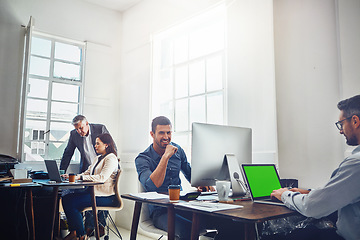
(249, 215)
(29, 202)
(56, 187)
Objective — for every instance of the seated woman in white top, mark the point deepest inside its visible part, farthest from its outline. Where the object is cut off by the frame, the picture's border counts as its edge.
(103, 169)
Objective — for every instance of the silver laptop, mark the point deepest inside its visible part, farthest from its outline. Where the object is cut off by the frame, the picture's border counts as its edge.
(53, 171)
(261, 180)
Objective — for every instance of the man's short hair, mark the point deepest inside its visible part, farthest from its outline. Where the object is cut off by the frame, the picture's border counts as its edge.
(161, 120)
(77, 119)
(350, 106)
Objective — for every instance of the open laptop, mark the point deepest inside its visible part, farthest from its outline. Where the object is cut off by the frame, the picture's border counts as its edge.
(53, 171)
(261, 180)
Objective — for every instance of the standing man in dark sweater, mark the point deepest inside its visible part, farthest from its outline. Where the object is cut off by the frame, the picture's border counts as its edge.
(83, 138)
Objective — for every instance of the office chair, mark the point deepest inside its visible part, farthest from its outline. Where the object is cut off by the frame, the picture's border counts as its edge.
(146, 222)
(119, 206)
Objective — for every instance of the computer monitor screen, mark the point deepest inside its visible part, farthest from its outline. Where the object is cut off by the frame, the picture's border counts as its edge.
(210, 143)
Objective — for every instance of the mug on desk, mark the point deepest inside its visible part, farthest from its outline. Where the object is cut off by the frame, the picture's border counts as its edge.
(72, 177)
(223, 190)
(174, 193)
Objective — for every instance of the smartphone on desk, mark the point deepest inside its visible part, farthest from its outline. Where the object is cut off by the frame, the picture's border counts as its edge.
(190, 196)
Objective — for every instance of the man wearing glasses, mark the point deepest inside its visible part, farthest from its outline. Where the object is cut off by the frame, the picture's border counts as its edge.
(342, 192)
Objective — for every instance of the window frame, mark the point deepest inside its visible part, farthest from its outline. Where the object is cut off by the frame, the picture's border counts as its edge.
(51, 80)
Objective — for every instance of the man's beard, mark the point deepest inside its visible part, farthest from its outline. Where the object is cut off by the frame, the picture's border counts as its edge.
(352, 141)
(161, 144)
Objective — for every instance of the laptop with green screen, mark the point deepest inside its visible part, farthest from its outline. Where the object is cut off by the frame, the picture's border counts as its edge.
(261, 180)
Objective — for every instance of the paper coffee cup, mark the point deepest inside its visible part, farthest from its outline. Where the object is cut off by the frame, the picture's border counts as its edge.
(174, 193)
(72, 177)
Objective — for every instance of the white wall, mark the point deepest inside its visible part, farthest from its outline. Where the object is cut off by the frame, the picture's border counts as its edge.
(70, 19)
(251, 75)
(349, 42)
(11, 42)
(309, 84)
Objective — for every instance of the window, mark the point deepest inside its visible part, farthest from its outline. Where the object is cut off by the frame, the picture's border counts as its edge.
(189, 77)
(53, 96)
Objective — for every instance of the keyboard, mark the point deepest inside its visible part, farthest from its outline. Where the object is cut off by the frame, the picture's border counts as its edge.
(208, 193)
(274, 201)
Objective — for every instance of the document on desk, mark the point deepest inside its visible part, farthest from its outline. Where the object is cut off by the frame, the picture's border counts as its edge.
(208, 206)
(149, 195)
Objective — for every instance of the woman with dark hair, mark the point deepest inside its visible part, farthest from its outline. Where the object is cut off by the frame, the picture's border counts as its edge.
(103, 169)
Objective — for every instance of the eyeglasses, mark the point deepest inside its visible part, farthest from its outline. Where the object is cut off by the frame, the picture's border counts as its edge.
(339, 124)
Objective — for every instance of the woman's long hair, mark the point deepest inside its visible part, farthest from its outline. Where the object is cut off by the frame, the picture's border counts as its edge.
(107, 139)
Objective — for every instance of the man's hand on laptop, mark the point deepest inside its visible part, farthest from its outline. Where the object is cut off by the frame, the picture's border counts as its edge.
(302, 191)
(277, 193)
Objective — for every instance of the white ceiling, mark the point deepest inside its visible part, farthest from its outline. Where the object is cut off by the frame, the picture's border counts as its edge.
(117, 5)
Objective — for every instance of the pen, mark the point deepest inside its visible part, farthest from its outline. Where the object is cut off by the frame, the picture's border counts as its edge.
(15, 185)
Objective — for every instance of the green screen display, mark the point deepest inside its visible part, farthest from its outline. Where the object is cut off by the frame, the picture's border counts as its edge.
(262, 180)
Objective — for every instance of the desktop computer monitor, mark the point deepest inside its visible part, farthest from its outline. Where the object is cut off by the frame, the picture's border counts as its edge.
(217, 153)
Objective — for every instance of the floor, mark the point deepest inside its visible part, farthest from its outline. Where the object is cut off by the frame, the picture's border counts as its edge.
(126, 235)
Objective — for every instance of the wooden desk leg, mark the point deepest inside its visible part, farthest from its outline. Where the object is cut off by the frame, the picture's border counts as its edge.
(249, 231)
(135, 221)
(171, 222)
(55, 201)
(195, 227)
(93, 204)
(31, 211)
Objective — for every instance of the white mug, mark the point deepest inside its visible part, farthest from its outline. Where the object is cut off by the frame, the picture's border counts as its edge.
(223, 190)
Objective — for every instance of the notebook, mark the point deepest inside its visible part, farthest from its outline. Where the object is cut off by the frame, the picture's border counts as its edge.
(261, 180)
(53, 171)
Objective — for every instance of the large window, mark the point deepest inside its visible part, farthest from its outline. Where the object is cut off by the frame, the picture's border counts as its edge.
(53, 96)
(189, 77)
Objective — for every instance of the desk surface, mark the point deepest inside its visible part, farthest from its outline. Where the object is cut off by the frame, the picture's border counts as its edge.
(42, 182)
(68, 184)
(20, 185)
(251, 212)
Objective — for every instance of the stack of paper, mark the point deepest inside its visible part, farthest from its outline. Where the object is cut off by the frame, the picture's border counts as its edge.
(149, 195)
(208, 206)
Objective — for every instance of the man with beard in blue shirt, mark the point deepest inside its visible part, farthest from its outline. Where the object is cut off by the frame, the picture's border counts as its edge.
(158, 167)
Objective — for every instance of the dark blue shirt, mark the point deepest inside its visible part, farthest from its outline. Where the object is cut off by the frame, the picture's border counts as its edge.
(147, 161)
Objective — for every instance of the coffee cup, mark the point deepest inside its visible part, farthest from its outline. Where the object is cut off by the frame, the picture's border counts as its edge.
(174, 193)
(72, 177)
(223, 190)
